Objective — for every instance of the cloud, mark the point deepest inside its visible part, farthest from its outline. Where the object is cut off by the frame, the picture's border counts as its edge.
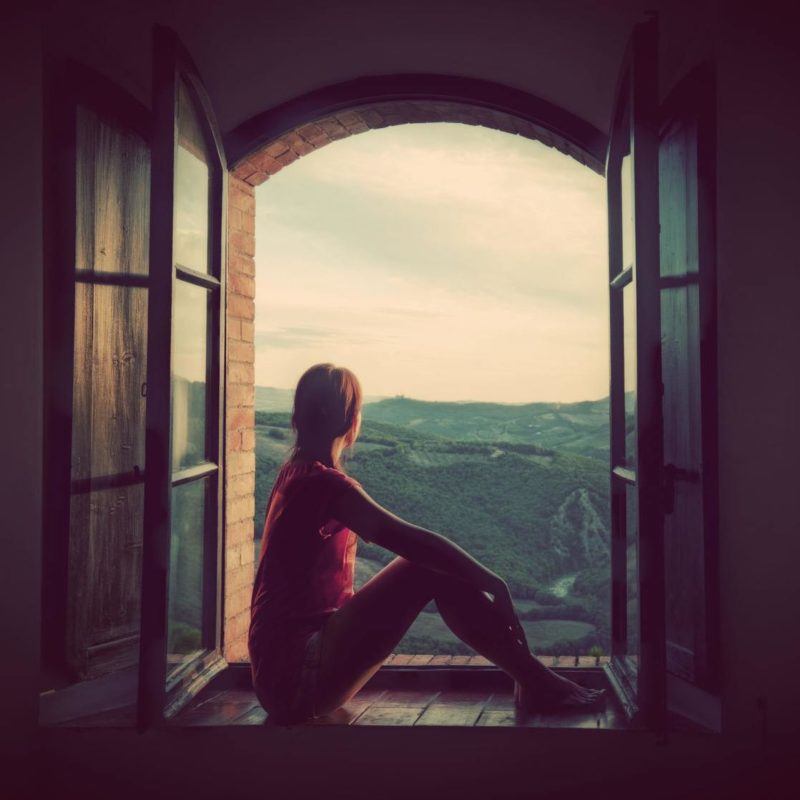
(439, 259)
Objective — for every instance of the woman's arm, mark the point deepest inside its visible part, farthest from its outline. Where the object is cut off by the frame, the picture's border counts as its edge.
(359, 512)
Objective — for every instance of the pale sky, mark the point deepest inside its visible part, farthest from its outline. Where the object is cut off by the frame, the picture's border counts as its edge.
(439, 261)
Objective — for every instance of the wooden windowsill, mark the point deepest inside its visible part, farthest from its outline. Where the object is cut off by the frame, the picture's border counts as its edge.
(409, 690)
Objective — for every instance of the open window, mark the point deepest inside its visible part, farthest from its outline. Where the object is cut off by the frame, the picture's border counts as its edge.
(97, 286)
(637, 663)
(181, 574)
(136, 321)
(135, 332)
(689, 369)
(663, 393)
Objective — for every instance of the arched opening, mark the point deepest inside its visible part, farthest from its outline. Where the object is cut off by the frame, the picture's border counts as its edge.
(250, 431)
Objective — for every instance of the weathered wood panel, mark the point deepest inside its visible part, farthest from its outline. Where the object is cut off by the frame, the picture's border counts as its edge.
(112, 196)
(681, 375)
(108, 406)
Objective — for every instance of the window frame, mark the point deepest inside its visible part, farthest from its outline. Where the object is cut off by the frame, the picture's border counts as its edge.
(161, 692)
(641, 687)
(69, 85)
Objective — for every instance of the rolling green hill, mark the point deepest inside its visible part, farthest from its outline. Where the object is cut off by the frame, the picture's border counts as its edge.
(535, 515)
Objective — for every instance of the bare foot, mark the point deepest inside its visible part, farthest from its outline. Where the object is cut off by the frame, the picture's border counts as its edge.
(556, 693)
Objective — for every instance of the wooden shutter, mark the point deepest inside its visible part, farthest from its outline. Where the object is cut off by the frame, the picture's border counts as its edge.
(688, 329)
(96, 356)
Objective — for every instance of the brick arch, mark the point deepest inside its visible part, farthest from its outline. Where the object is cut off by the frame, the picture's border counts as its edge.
(287, 147)
(262, 147)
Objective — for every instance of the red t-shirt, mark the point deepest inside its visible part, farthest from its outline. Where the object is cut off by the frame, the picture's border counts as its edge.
(305, 569)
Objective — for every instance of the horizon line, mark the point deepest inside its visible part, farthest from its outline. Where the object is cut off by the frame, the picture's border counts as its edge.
(376, 398)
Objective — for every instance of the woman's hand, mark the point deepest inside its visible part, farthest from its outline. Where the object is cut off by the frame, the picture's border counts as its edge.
(501, 596)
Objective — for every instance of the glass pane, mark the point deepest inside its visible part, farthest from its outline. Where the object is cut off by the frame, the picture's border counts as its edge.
(632, 572)
(187, 556)
(189, 374)
(112, 196)
(626, 185)
(192, 185)
(629, 344)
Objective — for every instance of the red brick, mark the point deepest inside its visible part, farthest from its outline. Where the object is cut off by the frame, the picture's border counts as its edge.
(239, 600)
(348, 118)
(240, 221)
(241, 308)
(243, 169)
(266, 163)
(241, 372)
(248, 439)
(240, 418)
(314, 135)
(238, 624)
(240, 463)
(333, 128)
(241, 264)
(247, 555)
(298, 144)
(241, 242)
(241, 441)
(248, 331)
(276, 148)
(257, 178)
(241, 395)
(249, 224)
(236, 651)
(242, 508)
(361, 127)
(239, 532)
(241, 351)
(241, 196)
(372, 118)
(242, 284)
(238, 485)
(287, 158)
(235, 216)
(233, 329)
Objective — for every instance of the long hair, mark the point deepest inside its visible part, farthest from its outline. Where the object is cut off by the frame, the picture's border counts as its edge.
(326, 405)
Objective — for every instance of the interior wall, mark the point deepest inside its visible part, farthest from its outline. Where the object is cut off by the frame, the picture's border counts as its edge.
(20, 376)
(759, 380)
(759, 126)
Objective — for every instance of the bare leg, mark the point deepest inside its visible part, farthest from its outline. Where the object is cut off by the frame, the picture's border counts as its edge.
(470, 614)
(360, 635)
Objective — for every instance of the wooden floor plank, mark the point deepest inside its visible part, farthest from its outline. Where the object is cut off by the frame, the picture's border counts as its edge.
(451, 714)
(460, 660)
(352, 709)
(406, 697)
(479, 661)
(389, 715)
(417, 661)
(501, 701)
(222, 709)
(255, 716)
(500, 717)
(400, 660)
(440, 661)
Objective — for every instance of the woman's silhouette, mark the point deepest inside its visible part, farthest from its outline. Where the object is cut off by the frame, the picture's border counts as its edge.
(314, 642)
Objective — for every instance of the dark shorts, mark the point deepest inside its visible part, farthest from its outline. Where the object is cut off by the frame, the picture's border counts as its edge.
(290, 696)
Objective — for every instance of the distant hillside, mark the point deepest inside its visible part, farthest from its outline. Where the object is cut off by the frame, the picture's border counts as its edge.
(574, 427)
(536, 516)
(268, 398)
(580, 428)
